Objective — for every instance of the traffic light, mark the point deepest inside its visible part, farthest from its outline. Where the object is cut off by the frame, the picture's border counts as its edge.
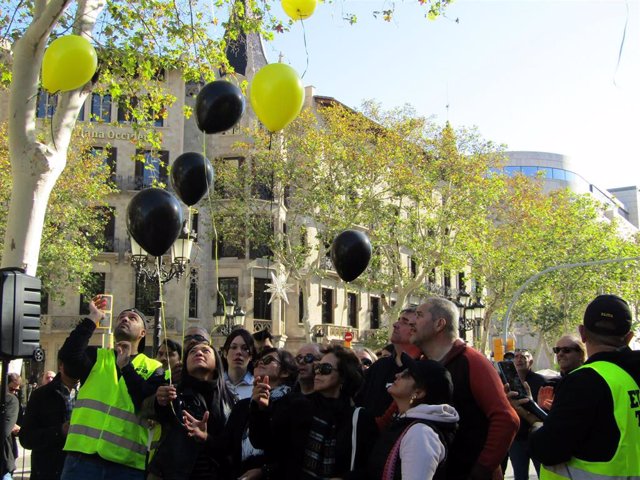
(498, 349)
(511, 344)
(20, 297)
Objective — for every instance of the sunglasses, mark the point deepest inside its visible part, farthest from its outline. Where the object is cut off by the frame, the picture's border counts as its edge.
(557, 350)
(323, 369)
(266, 361)
(308, 358)
(197, 338)
(366, 362)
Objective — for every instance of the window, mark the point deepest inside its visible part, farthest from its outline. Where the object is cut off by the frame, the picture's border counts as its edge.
(44, 302)
(46, 106)
(261, 307)
(110, 230)
(228, 291)
(100, 108)
(352, 309)
(261, 238)
(461, 283)
(447, 282)
(559, 174)
(374, 308)
(109, 156)
(91, 286)
(530, 171)
(152, 170)
(512, 171)
(193, 294)
(195, 218)
(228, 176)
(327, 305)
(125, 109)
(147, 294)
(413, 268)
(225, 249)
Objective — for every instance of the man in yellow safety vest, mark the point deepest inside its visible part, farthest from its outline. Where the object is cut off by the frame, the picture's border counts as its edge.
(593, 428)
(106, 438)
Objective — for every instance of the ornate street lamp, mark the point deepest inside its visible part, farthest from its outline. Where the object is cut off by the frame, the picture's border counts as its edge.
(471, 314)
(150, 269)
(228, 318)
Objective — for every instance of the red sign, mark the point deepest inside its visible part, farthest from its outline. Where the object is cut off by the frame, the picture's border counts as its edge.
(348, 337)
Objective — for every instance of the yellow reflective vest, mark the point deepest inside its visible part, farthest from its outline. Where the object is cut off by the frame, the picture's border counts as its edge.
(625, 463)
(103, 420)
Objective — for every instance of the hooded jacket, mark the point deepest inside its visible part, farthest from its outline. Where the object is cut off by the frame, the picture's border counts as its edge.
(426, 431)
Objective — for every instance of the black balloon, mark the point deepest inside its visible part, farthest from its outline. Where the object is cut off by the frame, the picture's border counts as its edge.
(350, 254)
(191, 177)
(154, 220)
(219, 106)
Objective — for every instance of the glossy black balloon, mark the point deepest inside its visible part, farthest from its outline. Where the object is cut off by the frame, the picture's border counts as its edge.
(154, 220)
(350, 254)
(219, 106)
(191, 177)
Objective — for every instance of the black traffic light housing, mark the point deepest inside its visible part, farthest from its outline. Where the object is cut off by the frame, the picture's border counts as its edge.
(20, 297)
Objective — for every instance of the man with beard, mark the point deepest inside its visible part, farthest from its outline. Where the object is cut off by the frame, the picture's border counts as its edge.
(106, 438)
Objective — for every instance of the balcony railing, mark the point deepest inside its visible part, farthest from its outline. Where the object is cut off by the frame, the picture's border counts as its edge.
(330, 332)
(327, 264)
(259, 325)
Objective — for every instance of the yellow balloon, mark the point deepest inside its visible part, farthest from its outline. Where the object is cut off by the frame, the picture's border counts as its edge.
(299, 9)
(68, 63)
(276, 95)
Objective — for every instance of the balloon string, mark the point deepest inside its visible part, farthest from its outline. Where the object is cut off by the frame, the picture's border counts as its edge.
(215, 231)
(624, 35)
(163, 321)
(306, 50)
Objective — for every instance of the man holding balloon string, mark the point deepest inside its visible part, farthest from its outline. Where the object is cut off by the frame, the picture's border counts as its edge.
(106, 438)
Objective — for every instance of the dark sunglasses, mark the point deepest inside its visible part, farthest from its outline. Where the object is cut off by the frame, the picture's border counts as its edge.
(266, 361)
(557, 350)
(366, 362)
(196, 337)
(308, 358)
(323, 369)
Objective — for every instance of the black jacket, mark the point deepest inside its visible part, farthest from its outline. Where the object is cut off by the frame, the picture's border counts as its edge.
(180, 457)
(41, 430)
(581, 422)
(12, 407)
(284, 430)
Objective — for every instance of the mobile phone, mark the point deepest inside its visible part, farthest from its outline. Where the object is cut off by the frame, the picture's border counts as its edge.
(509, 374)
(108, 311)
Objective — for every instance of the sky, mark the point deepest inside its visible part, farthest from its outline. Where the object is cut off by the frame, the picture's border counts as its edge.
(531, 74)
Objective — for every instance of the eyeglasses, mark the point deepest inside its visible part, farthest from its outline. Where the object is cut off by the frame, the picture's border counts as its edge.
(196, 337)
(366, 362)
(14, 389)
(323, 369)
(266, 361)
(308, 358)
(557, 350)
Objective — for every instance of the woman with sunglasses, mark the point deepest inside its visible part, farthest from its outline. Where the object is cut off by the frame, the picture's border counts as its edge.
(367, 357)
(313, 434)
(414, 447)
(278, 368)
(191, 414)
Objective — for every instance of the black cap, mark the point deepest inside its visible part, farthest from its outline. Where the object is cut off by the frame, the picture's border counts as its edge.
(435, 379)
(608, 315)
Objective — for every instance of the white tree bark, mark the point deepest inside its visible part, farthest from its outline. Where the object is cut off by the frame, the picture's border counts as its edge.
(36, 166)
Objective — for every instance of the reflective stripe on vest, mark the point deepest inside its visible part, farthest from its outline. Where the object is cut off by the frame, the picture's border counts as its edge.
(103, 420)
(625, 463)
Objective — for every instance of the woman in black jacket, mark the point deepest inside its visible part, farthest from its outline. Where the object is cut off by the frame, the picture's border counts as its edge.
(312, 436)
(203, 399)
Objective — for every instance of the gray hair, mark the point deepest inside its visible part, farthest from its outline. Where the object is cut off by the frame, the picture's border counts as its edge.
(440, 307)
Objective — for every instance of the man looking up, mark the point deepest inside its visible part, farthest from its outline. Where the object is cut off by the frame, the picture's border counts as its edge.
(488, 424)
(373, 396)
(593, 428)
(106, 438)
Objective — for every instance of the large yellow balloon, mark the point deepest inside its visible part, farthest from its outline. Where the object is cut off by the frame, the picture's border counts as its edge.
(299, 9)
(68, 63)
(276, 95)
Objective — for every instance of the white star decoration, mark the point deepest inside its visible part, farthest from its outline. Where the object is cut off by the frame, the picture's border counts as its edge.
(278, 288)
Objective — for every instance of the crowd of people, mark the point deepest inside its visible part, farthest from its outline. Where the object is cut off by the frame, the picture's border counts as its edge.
(428, 406)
